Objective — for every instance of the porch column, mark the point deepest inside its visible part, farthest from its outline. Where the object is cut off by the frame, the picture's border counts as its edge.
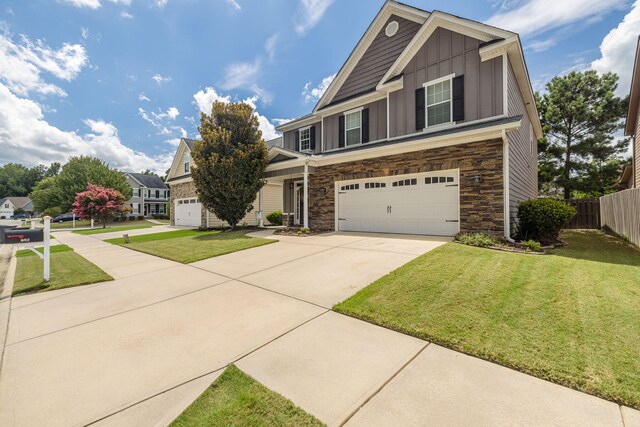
(261, 220)
(306, 195)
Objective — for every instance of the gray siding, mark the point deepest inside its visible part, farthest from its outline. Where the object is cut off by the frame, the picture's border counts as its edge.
(377, 124)
(447, 52)
(289, 138)
(523, 152)
(378, 58)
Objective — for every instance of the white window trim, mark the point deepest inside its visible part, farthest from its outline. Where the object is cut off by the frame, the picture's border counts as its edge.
(346, 113)
(426, 105)
(300, 138)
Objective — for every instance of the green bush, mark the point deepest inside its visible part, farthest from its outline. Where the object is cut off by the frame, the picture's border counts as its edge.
(275, 218)
(531, 246)
(482, 240)
(52, 212)
(542, 219)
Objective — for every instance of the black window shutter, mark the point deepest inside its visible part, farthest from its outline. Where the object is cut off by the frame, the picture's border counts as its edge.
(365, 125)
(341, 131)
(458, 98)
(297, 148)
(312, 138)
(420, 112)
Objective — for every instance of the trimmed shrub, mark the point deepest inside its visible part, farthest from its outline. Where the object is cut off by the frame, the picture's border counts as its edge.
(275, 218)
(531, 246)
(52, 212)
(543, 219)
(481, 240)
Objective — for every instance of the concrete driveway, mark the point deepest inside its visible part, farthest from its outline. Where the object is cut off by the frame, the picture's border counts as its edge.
(145, 345)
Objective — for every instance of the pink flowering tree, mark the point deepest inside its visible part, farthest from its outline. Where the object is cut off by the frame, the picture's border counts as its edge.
(99, 203)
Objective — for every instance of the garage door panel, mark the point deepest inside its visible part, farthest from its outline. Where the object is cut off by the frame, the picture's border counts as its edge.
(407, 204)
(188, 212)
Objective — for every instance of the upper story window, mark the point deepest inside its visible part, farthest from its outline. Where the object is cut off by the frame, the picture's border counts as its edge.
(353, 127)
(185, 158)
(157, 194)
(439, 105)
(305, 139)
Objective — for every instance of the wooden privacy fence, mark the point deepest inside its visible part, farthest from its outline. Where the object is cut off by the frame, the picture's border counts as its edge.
(588, 215)
(620, 213)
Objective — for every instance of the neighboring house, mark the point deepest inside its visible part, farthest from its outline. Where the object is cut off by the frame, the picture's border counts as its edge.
(430, 127)
(186, 209)
(9, 204)
(150, 194)
(631, 175)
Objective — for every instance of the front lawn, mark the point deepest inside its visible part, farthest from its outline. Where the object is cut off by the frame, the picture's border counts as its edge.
(188, 246)
(235, 399)
(112, 229)
(67, 269)
(572, 317)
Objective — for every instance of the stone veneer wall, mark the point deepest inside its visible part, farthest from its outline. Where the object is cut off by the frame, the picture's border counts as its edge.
(182, 191)
(481, 205)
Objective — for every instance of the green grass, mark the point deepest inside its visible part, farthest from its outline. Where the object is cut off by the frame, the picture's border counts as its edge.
(79, 223)
(67, 269)
(188, 246)
(572, 317)
(235, 399)
(111, 229)
(83, 223)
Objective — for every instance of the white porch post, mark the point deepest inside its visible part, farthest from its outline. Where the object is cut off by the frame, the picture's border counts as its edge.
(306, 195)
(261, 220)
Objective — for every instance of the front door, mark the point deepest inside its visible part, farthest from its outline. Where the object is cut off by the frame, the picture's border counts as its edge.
(298, 200)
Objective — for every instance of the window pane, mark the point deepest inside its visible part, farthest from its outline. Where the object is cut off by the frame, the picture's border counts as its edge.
(439, 114)
(352, 120)
(353, 136)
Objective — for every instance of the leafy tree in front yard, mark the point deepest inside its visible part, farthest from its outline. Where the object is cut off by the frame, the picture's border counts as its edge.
(99, 203)
(580, 114)
(229, 161)
(60, 190)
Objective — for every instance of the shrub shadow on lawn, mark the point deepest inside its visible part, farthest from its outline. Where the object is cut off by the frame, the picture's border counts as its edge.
(609, 250)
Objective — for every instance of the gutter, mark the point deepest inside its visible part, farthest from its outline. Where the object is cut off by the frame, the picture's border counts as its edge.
(505, 190)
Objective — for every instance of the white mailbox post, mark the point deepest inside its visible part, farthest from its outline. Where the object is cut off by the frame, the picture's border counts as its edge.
(47, 248)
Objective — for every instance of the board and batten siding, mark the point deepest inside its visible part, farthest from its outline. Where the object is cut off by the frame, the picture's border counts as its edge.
(271, 201)
(380, 55)
(444, 53)
(377, 124)
(523, 151)
(289, 138)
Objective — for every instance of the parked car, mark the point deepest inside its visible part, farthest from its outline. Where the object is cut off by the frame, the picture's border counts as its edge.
(20, 216)
(65, 218)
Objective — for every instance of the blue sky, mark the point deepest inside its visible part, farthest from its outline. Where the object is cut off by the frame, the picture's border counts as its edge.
(125, 79)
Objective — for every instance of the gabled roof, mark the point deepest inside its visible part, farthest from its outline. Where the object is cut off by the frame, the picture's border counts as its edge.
(190, 143)
(17, 202)
(634, 96)
(185, 144)
(148, 181)
(390, 7)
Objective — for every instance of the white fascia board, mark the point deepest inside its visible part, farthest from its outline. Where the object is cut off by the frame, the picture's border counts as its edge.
(297, 123)
(391, 86)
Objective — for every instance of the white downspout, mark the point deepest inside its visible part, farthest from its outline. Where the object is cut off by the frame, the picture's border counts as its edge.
(306, 195)
(261, 220)
(505, 175)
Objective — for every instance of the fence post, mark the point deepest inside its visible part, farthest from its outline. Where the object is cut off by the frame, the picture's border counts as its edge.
(47, 250)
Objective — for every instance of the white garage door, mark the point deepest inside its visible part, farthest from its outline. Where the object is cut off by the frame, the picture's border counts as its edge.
(187, 212)
(426, 203)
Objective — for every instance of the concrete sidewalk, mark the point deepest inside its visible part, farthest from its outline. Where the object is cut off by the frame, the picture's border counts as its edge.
(138, 350)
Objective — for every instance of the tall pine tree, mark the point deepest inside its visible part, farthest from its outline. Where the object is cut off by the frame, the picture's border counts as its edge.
(579, 154)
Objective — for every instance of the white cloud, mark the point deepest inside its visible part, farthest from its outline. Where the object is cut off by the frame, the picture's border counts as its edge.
(161, 120)
(617, 49)
(161, 3)
(241, 74)
(21, 64)
(126, 15)
(534, 16)
(280, 122)
(85, 32)
(143, 97)
(91, 4)
(124, 2)
(159, 79)
(172, 113)
(204, 100)
(315, 93)
(309, 13)
(271, 45)
(540, 45)
(26, 137)
(235, 4)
